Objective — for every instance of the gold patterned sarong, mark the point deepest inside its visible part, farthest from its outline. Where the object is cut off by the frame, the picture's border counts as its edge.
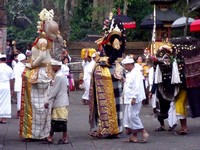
(102, 101)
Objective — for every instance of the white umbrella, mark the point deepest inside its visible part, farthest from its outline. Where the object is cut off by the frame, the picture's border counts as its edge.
(181, 22)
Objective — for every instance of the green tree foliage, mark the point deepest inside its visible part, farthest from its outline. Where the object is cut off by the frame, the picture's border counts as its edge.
(81, 23)
(138, 9)
(23, 15)
(22, 21)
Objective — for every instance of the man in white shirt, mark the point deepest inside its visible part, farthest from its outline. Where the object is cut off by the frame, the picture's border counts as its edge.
(134, 94)
(6, 74)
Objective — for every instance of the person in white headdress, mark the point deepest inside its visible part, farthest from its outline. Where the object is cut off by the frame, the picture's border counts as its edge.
(133, 95)
(6, 74)
(18, 70)
(58, 100)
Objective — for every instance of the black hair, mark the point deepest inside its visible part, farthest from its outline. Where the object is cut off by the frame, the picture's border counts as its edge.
(3, 59)
(143, 59)
(65, 57)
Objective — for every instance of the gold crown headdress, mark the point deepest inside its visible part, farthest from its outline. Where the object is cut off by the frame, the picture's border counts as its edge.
(44, 15)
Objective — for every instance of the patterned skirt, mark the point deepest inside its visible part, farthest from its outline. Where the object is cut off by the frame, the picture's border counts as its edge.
(105, 101)
(59, 119)
(192, 73)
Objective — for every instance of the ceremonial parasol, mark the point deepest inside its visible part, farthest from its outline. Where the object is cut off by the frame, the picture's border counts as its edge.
(127, 21)
(195, 26)
(181, 22)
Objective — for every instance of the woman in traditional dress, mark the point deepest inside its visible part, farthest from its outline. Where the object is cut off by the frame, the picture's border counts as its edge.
(88, 63)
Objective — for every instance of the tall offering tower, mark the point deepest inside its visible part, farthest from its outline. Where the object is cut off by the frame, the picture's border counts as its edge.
(166, 14)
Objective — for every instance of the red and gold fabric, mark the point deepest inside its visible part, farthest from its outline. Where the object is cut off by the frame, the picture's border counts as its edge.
(26, 108)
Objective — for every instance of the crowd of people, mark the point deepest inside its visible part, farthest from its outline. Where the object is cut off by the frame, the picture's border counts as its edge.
(111, 82)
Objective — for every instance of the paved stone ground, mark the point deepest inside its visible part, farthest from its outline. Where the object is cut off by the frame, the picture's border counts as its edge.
(78, 129)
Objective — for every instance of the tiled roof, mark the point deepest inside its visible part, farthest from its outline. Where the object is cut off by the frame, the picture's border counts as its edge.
(91, 38)
(165, 16)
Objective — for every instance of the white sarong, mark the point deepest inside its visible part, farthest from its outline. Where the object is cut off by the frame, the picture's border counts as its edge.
(5, 100)
(131, 116)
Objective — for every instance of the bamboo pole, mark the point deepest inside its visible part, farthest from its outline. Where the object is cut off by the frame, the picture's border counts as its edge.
(154, 32)
(187, 13)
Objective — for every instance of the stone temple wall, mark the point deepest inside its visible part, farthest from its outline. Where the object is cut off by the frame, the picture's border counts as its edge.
(74, 48)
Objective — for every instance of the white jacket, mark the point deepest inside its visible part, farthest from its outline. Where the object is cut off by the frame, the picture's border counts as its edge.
(134, 87)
